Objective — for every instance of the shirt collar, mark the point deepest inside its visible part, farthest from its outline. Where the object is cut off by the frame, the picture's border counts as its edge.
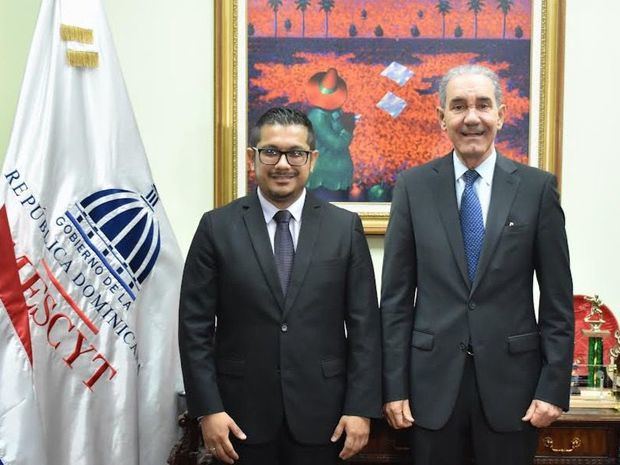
(484, 169)
(270, 209)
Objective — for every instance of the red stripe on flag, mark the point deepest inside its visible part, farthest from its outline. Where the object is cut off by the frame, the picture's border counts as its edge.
(10, 286)
(87, 321)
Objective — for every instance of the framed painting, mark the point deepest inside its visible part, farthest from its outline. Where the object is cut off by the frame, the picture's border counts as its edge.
(367, 72)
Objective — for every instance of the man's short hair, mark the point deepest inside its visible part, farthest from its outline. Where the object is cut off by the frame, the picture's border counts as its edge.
(470, 69)
(284, 117)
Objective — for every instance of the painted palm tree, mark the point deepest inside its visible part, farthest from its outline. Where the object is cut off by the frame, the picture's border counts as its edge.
(505, 6)
(444, 7)
(275, 6)
(327, 6)
(476, 6)
(302, 5)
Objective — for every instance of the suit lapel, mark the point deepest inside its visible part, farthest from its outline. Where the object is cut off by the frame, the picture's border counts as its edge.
(310, 223)
(505, 184)
(257, 229)
(445, 196)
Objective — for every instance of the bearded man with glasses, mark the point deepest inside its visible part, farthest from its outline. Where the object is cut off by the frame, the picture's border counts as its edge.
(279, 325)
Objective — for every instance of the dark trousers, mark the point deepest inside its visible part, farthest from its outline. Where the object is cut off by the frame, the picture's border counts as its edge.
(468, 439)
(285, 450)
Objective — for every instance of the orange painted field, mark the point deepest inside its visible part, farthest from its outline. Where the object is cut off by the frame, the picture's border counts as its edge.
(396, 18)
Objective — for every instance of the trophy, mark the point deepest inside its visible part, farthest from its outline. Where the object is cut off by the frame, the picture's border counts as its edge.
(595, 383)
(613, 369)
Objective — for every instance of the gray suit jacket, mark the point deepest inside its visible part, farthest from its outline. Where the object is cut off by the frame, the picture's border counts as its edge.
(430, 309)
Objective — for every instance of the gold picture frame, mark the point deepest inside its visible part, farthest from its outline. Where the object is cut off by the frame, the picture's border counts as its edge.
(546, 87)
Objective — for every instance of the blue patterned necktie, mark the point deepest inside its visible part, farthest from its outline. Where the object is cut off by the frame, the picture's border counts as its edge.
(284, 250)
(472, 224)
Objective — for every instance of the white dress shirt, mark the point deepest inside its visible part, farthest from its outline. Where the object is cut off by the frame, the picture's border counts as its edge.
(269, 210)
(482, 185)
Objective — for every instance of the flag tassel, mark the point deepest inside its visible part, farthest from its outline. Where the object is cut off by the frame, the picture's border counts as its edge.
(76, 34)
(81, 59)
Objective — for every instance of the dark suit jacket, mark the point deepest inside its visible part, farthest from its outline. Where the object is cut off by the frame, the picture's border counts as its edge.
(516, 358)
(271, 356)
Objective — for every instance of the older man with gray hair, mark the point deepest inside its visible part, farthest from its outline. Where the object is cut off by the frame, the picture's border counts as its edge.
(465, 360)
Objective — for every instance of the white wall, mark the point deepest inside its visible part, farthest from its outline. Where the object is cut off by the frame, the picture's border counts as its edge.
(166, 54)
(166, 51)
(591, 164)
(17, 19)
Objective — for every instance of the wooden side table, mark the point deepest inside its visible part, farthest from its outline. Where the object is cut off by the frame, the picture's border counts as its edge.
(581, 436)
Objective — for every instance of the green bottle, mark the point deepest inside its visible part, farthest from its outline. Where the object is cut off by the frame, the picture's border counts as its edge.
(595, 361)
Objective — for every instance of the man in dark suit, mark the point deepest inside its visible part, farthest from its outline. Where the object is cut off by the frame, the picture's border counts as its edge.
(463, 353)
(270, 283)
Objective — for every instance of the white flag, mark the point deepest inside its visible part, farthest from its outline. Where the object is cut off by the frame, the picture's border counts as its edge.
(89, 267)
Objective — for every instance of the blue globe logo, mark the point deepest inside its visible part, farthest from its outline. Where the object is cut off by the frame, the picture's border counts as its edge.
(126, 222)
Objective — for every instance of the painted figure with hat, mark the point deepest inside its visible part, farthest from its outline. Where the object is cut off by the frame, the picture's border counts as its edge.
(333, 173)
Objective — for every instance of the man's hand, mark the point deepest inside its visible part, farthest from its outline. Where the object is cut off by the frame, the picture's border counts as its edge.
(541, 414)
(215, 430)
(398, 414)
(357, 430)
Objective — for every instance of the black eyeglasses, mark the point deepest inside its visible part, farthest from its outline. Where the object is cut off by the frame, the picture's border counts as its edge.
(271, 156)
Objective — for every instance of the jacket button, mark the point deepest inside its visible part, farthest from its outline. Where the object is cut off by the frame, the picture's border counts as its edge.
(472, 305)
(284, 327)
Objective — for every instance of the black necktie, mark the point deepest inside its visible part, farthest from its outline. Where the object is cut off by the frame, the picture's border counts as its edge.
(283, 248)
